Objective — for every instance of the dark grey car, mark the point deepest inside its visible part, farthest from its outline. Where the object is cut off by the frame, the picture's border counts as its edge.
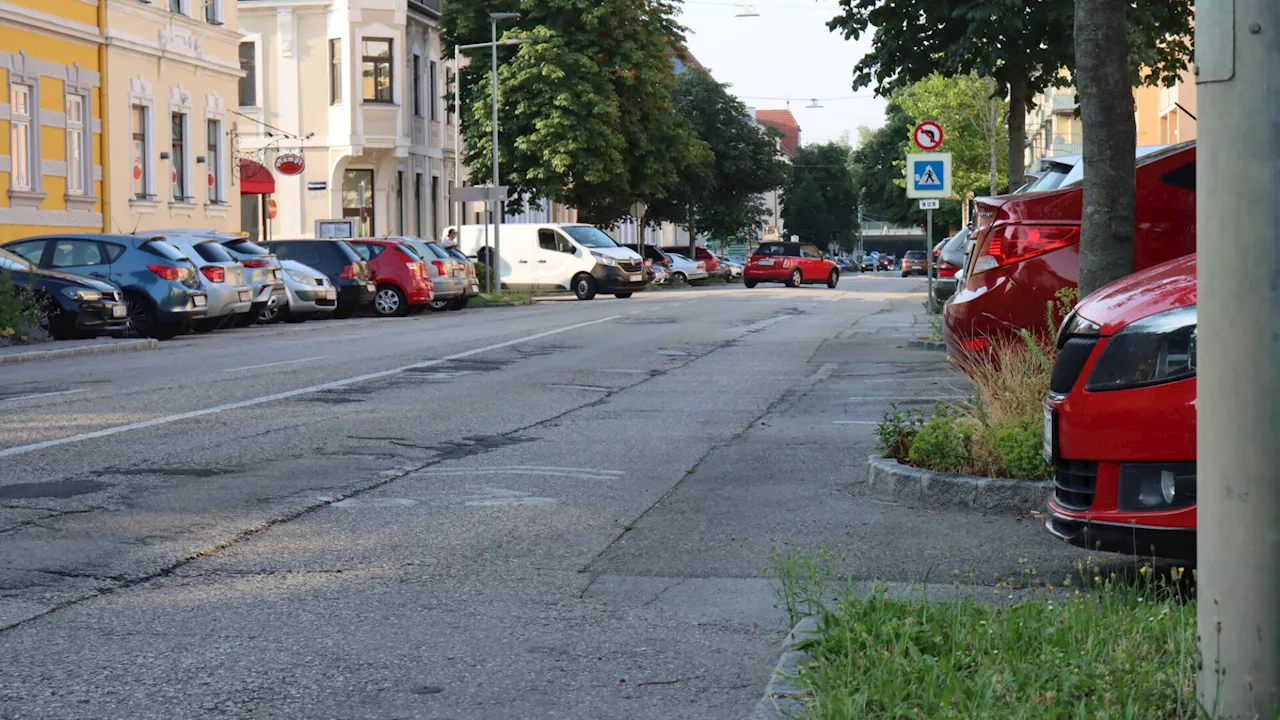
(954, 254)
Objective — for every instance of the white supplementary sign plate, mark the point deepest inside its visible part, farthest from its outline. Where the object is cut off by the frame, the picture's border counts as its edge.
(931, 204)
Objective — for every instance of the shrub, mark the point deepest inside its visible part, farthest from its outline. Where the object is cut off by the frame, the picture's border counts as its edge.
(1019, 443)
(482, 271)
(897, 430)
(944, 443)
(19, 312)
(1011, 380)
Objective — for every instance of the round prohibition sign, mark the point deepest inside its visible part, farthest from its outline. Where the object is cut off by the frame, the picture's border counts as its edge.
(928, 135)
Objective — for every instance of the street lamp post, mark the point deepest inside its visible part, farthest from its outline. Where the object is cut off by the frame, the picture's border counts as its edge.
(494, 18)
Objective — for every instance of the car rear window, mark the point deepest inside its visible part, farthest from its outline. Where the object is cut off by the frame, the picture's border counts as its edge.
(213, 252)
(346, 251)
(368, 251)
(164, 250)
(303, 252)
(436, 250)
(914, 255)
(457, 254)
(777, 250)
(409, 253)
(245, 247)
(1183, 178)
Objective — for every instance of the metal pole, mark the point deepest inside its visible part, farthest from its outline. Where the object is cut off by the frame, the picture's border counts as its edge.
(458, 220)
(1238, 411)
(861, 250)
(497, 204)
(488, 273)
(928, 255)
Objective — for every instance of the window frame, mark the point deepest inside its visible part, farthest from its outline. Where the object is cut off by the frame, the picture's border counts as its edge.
(335, 71)
(213, 12)
(433, 79)
(178, 6)
(250, 79)
(450, 79)
(376, 62)
(103, 256)
(213, 160)
(29, 120)
(79, 137)
(179, 157)
(142, 115)
(415, 71)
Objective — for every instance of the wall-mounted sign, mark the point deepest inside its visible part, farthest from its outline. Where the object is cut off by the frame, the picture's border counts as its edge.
(290, 164)
(345, 228)
(317, 186)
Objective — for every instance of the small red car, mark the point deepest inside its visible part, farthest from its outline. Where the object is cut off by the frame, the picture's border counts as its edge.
(404, 283)
(791, 263)
(1027, 249)
(1120, 417)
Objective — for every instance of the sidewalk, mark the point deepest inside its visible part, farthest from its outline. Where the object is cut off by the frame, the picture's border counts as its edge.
(73, 348)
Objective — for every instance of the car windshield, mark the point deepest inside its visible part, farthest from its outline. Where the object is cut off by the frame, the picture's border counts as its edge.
(9, 261)
(457, 254)
(678, 256)
(245, 247)
(211, 251)
(164, 250)
(1051, 179)
(588, 236)
(435, 250)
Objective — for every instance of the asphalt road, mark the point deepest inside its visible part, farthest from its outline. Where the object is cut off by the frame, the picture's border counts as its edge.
(556, 511)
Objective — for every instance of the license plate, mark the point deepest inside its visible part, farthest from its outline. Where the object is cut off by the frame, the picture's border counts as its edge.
(119, 311)
(475, 288)
(244, 296)
(637, 278)
(277, 275)
(1047, 444)
(200, 300)
(371, 287)
(765, 262)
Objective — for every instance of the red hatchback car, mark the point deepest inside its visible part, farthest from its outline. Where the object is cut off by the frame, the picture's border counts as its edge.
(1027, 249)
(791, 263)
(404, 284)
(1120, 417)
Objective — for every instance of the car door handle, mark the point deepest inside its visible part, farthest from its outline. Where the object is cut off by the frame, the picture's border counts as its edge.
(524, 262)
(542, 262)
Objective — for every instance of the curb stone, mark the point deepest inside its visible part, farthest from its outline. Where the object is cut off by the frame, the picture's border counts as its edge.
(926, 345)
(890, 480)
(781, 697)
(99, 349)
(518, 303)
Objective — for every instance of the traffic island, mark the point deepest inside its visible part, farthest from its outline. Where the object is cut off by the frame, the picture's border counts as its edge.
(73, 348)
(893, 481)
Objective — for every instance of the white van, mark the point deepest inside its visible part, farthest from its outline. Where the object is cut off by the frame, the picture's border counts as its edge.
(558, 256)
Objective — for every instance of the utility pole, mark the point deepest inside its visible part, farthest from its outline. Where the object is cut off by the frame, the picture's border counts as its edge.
(860, 249)
(1238, 420)
(498, 212)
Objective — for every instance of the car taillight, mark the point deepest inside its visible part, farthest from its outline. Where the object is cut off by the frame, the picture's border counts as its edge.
(168, 272)
(975, 344)
(215, 273)
(648, 263)
(1015, 243)
(350, 272)
(419, 269)
(440, 267)
(702, 266)
(254, 263)
(946, 269)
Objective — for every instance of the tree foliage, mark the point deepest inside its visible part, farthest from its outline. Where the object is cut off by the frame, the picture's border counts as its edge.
(820, 204)
(721, 195)
(974, 123)
(585, 115)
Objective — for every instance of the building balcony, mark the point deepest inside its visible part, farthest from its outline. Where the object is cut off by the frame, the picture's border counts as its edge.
(1065, 148)
(1064, 103)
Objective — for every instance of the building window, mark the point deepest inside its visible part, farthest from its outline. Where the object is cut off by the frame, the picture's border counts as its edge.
(21, 147)
(141, 161)
(178, 159)
(78, 161)
(376, 70)
(400, 200)
(213, 160)
(175, 6)
(417, 206)
(435, 203)
(417, 85)
(335, 71)
(435, 90)
(448, 88)
(357, 200)
(249, 83)
(212, 12)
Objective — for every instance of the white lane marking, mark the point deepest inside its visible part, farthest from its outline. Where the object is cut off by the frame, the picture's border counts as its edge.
(167, 419)
(273, 364)
(40, 395)
(855, 422)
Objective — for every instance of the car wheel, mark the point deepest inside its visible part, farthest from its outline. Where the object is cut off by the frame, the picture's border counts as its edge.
(290, 316)
(584, 287)
(680, 278)
(749, 283)
(459, 302)
(833, 279)
(141, 320)
(389, 301)
(622, 296)
(271, 314)
(796, 279)
(440, 305)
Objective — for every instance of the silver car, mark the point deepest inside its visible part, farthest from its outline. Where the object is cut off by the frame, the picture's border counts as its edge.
(954, 254)
(261, 268)
(447, 274)
(469, 274)
(310, 295)
(221, 278)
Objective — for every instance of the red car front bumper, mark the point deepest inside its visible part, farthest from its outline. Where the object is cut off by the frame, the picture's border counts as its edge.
(1107, 445)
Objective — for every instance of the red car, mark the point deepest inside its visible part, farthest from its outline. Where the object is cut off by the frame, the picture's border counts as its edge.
(404, 284)
(1120, 417)
(1027, 249)
(791, 263)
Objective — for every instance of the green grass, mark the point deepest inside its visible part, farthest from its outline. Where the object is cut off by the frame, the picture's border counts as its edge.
(1115, 648)
(500, 298)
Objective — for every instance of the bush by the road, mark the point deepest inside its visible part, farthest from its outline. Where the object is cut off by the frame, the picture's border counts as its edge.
(19, 313)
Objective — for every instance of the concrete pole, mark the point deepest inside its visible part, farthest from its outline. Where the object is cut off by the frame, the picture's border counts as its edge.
(497, 204)
(1238, 416)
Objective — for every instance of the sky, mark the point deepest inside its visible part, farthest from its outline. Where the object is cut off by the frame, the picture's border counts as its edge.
(785, 52)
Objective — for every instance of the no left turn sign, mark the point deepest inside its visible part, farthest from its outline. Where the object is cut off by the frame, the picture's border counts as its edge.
(928, 135)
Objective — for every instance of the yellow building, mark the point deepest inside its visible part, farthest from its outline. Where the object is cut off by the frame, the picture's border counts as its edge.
(52, 159)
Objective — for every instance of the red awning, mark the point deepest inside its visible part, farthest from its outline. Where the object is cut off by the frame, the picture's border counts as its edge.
(255, 179)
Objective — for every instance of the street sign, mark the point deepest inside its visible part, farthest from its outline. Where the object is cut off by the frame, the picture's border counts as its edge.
(928, 175)
(929, 204)
(317, 185)
(928, 135)
(875, 254)
(480, 193)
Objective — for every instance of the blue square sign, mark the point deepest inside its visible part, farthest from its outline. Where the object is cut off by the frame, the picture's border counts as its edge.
(929, 175)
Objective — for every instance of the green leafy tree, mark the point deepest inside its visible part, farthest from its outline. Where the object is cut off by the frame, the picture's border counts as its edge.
(721, 195)
(1022, 44)
(820, 204)
(586, 117)
(974, 122)
(879, 168)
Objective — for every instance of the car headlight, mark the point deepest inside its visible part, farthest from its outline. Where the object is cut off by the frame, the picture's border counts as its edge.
(1156, 349)
(82, 294)
(1074, 325)
(604, 259)
(300, 277)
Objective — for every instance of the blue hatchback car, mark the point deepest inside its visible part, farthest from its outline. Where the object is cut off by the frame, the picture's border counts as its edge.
(161, 288)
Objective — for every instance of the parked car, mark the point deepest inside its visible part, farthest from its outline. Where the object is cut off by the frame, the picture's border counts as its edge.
(222, 279)
(310, 294)
(791, 263)
(403, 281)
(348, 272)
(886, 262)
(470, 280)
(650, 253)
(1120, 417)
(914, 263)
(685, 270)
(261, 269)
(951, 257)
(448, 275)
(561, 256)
(1027, 249)
(702, 255)
(72, 305)
(867, 264)
(733, 271)
(659, 274)
(160, 285)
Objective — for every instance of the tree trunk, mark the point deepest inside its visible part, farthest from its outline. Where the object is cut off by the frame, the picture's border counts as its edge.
(1106, 111)
(993, 118)
(1017, 116)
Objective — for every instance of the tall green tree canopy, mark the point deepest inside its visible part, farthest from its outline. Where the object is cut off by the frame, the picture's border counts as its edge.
(1023, 44)
(974, 125)
(720, 196)
(820, 203)
(586, 117)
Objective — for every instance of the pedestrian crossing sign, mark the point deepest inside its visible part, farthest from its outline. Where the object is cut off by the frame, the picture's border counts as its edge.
(929, 175)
